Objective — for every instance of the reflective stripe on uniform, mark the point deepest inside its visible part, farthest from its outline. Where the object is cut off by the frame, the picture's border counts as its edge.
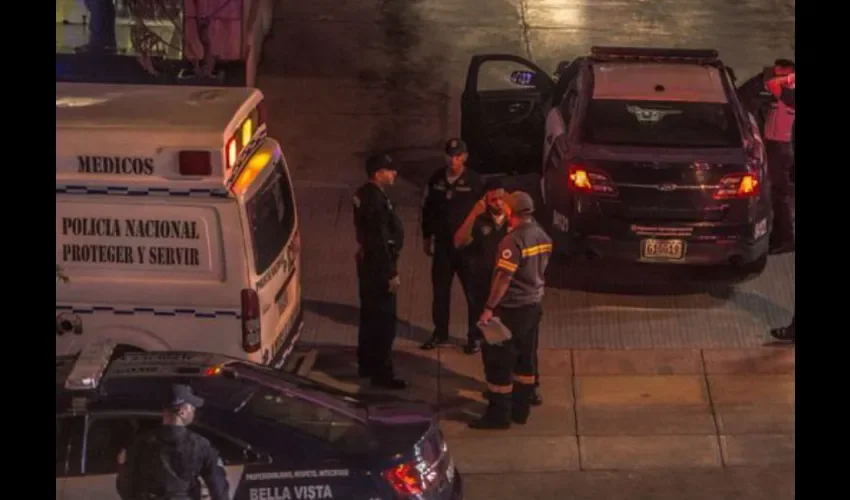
(507, 265)
(537, 250)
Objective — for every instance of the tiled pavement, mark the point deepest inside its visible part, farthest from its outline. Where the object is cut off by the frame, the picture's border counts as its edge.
(667, 308)
(609, 410)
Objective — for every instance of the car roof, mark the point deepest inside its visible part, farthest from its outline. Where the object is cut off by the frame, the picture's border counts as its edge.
(643, 81)
(150, 107)
(131, 374)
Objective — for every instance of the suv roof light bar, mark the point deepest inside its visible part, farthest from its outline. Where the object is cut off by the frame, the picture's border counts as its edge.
(90, 365)
(653, 54)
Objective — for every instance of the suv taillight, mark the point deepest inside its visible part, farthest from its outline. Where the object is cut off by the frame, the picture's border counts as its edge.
(251, 338)
(583, 180)
(738, 186)
(405, 480)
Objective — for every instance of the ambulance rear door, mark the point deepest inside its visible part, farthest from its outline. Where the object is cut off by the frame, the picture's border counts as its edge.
(271, 307)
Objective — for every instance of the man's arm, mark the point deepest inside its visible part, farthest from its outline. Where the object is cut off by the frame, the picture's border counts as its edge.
(787, 95)
(214, 474)
(124, 481)
(506, 265)
(427, 218)
(463, 235)
(376, 238)
(498, 288)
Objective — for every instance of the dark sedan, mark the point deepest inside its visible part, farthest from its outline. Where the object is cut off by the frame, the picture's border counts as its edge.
(644, 155)
(279, 436)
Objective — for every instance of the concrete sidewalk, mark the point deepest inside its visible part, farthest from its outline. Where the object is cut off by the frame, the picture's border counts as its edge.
(611, 411)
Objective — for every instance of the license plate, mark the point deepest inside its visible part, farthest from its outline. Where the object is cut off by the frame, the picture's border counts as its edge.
(662, 249)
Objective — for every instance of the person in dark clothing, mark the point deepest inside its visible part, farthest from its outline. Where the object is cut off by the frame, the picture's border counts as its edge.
(761, 95)
(380, 238)
(101, 27)
(515, 297)
(477, 240)
(165, 464)
(789, 333)
(449, 195)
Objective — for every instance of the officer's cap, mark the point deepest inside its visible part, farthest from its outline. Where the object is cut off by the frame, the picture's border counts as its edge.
(182, 395)
(377, 162)
(455, 147)
(520, 203)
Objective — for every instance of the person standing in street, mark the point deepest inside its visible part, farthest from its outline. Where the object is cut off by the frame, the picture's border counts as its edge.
(516, 293)
(477, 240)
(101, 27)
(761, 96)
(449, 195)
(789, 333)
(166, 463)
(380, 238)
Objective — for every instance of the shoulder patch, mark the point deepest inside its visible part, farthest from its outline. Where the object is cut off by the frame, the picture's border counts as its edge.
(356, 201)
(507, 254)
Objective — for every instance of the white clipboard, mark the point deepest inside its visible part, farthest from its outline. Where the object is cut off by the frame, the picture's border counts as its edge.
(495, 332)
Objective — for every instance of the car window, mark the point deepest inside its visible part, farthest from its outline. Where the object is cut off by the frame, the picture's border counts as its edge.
(108, 438)
(271, 212)
(661, 124)
(310, 418)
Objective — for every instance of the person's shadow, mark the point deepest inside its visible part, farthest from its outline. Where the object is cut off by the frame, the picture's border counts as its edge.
(454, 394)
(345, 314)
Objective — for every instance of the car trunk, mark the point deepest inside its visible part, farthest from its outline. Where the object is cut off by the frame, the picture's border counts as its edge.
(667, 187)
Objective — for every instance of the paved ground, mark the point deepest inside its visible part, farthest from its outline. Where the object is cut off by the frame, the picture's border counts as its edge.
(712, 423)
(708, 416)
(654, 387)
(344, 76)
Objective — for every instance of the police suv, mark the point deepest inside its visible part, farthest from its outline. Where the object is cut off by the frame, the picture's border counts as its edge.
(280, 437)
(176, 223)
(644, 154)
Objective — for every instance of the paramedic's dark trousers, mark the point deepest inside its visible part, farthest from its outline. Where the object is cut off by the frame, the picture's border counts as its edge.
(377, 330)
(514, 362)
(444, 265)
(780, 159)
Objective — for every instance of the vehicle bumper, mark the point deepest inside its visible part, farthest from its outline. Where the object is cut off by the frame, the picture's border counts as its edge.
(696, 252)
(291, 339)
(705, 244)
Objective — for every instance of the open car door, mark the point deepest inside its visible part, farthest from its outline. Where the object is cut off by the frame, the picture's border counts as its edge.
(503, 114)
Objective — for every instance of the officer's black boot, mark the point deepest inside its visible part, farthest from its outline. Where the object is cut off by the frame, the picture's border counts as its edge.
(498, 415)
(521, 407)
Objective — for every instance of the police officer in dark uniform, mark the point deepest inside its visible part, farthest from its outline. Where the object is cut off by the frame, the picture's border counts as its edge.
(166, 463)
(449, 195)
(515, 297)
(380, 236)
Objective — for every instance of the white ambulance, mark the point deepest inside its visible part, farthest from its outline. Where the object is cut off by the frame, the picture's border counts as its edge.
(176, 224)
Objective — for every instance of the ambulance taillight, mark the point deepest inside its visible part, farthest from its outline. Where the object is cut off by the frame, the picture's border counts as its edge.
(251, 338)
(232, 152)
(198, 163)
